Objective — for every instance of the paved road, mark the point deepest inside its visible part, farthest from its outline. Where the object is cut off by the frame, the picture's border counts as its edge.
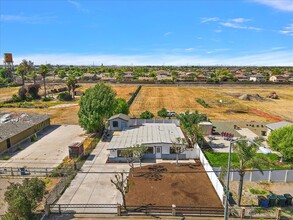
(49, 150)
(95, 188)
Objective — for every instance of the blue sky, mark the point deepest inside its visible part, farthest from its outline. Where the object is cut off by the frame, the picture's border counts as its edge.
(138, 32)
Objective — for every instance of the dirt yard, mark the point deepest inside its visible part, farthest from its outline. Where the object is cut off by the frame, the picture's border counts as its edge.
(181, 99)
(181, 189)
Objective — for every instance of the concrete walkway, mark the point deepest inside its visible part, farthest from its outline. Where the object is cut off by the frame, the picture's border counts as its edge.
(95, 188)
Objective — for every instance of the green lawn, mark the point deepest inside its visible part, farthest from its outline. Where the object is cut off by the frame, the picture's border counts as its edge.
(221, 159)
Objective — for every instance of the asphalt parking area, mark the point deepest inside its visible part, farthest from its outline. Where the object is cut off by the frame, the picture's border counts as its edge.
(50, 149)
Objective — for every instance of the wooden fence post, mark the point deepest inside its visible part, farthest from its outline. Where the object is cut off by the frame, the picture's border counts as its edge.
(242, 214)
(59, 208)
(173, 210)
(278, 216)
(118, 209)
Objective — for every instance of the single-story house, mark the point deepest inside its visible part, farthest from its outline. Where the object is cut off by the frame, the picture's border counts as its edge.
(278, 78)
(258, 78)
(157, 137)
(17, 127)
(274, 126)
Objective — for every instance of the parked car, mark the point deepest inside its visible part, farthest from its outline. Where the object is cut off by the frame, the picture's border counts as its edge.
(171, 114)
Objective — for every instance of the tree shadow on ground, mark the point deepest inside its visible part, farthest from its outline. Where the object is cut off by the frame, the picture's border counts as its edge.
(154, 173)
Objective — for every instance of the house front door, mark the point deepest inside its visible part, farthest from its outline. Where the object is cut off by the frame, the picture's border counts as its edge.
(158, 152)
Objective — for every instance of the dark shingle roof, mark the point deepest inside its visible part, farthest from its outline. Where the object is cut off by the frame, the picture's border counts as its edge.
(18, 122)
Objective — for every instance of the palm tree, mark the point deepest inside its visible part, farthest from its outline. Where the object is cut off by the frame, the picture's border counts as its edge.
(71, 82)
(247, 159)
(43, 71)
(25, 67)
(34, 75)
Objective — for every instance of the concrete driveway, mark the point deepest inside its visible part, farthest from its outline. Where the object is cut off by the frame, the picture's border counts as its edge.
(95, 188)
(49, 150)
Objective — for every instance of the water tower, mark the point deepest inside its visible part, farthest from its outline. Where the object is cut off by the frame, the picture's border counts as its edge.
(8, 61)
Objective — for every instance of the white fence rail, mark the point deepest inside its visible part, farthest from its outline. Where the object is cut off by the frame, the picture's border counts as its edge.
(137, 122)
(285, 176)
(212, 175)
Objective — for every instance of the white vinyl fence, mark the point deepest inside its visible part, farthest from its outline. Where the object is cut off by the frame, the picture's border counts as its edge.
(212, 175)
(267, 176)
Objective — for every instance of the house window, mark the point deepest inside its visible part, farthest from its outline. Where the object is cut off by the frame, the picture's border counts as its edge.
(115, 124)
(150, 150)
(263, 133)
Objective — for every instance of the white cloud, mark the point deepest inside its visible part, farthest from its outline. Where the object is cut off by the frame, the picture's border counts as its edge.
(189, 49)
(205, 20)
(78, 6)
(218, 31)
(269, 58)
(167, 34)
(239, 23)
(283, 5)
(288, 30)
(34, 19)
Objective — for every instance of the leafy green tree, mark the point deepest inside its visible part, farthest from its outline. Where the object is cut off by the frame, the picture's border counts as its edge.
(282, 140)
(163, 113)
(24, 68)
(43, 71)
(146, 115)
(179, 146)
(248, 159)
(122, 106)
(96, 106)
(23, 199)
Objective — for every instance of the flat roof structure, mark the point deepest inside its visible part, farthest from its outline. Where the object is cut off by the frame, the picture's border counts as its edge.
(148, 133)
(277, 125)
(14, 123)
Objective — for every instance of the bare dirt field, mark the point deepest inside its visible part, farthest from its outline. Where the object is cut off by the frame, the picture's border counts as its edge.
(181, 189)
(181, 99)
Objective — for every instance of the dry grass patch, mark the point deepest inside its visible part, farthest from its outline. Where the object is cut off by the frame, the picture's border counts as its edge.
(181, 99)
(7, 92)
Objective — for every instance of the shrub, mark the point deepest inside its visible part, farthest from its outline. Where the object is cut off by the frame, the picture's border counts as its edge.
(203, 103)
(6, 157)
(22, 93)
(34, 138)
(33, 90)
(46, 99)
(163, 113)
(64, 96)
(15, 98)
(257, 191)
(146, 115)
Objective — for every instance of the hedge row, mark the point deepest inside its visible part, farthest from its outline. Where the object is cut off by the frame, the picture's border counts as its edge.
(130, 101)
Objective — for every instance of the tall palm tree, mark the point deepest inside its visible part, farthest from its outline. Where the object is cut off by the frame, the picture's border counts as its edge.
(33, 75)
(247, 159)
(71, 82)
(43, 71)
(25, 67)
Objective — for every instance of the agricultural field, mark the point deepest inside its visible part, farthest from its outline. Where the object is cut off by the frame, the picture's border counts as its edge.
(222, 101)
(61, 112)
